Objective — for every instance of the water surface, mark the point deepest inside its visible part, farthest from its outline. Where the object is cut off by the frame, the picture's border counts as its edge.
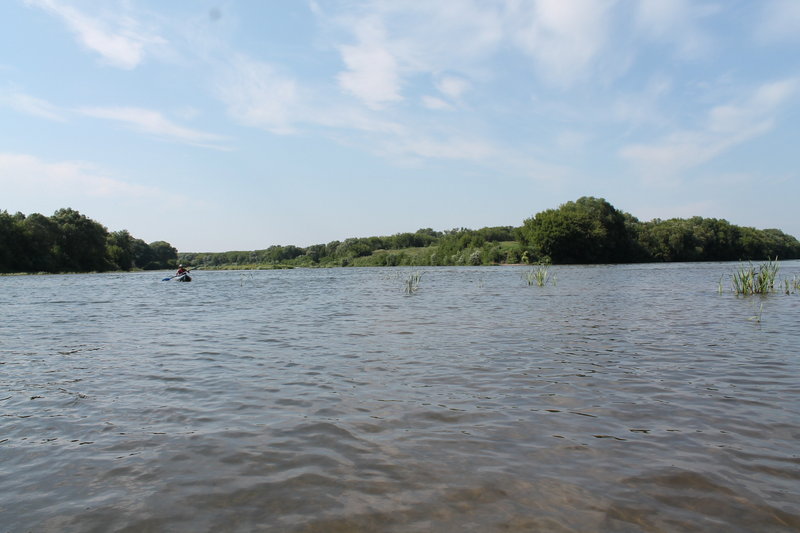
(622, 398)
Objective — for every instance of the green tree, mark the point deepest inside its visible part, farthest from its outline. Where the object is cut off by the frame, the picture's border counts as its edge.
(81, 243)
(141, 253)
(41, 236)
(120, 250)
(12, 243)
(164, 256)
(589, 230)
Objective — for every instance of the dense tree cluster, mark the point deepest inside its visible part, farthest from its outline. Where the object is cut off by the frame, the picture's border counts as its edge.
(590, 230)
(586, 231)
(71, 242)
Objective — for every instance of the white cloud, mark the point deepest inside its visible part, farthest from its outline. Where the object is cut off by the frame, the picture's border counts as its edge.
(676, 22)
(371, 73)
(563, 38)
(154, 123)
(637, 109)
(726, 126)
(388, 43)
(779, 21)
(452, 87)
(257, 95)
(119, 39)
(437, 104)
(25, 103)
(22, 173)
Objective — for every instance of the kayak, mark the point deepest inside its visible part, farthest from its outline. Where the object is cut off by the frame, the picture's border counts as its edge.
(179, 277)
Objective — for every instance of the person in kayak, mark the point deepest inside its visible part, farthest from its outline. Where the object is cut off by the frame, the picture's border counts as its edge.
(181, 270)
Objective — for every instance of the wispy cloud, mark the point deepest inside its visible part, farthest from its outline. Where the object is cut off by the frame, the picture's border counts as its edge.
(119, 39)
(779, 22)
(452, 86)
(563, 38)
(23, 172)
(372, 70)
(256, 94)
(435, 103)
(387, 44)
(456, 148)
(643, 107)
(676, 22)
(725, 127)
(25, 103)
(155, 124)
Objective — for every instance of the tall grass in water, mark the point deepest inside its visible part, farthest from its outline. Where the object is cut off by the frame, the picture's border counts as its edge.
(539, 276)
(751, 280)
(412, 282)
(758, 312)
(790, 286)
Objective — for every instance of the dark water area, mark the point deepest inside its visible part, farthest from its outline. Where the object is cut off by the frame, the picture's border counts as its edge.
(622, 398)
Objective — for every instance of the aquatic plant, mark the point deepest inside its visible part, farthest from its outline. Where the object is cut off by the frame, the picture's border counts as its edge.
(246, 277)
(791, 286)
(751, 280)
(412, 282)
(538, 275)
(758, 312)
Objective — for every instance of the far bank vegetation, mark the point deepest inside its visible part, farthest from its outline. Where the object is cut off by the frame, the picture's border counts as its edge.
(586, 231)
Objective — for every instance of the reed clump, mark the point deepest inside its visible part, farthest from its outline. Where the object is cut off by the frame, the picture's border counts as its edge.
(791, 286)
(411, 283)
(539, 276)
(756, 280)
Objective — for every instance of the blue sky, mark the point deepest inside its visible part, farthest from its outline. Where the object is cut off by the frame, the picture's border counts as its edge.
(236, 125)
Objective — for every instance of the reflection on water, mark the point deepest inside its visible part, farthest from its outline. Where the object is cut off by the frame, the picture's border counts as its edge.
(623, 398)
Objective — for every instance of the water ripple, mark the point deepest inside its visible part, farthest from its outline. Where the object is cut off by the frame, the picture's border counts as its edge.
(319, 400)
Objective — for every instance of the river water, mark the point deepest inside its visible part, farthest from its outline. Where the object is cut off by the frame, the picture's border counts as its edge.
(620, 398)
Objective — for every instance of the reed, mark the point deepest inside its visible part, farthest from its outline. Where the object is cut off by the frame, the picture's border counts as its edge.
(412, 282)
(539, 275)
(758, 312)
(751, 280)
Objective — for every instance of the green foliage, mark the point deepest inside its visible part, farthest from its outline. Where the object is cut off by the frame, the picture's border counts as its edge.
(711, 239)
(589, 230)
(119, 248)
(539, 276)
(71, 242)
(751, 280)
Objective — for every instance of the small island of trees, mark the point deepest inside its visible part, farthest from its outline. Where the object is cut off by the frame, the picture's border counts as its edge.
(586, 231)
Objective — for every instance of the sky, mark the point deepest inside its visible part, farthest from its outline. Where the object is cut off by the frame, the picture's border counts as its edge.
(239, 124)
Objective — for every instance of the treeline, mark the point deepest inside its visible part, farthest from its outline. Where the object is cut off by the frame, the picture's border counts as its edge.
(589, 230)
(423, 247)
(71, 242)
